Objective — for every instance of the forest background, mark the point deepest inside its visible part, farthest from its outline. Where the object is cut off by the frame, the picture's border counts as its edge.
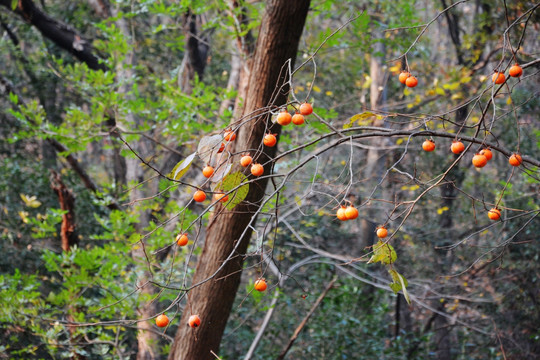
(110, 110)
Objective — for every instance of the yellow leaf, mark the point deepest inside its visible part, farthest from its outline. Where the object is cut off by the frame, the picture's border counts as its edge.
(465, 79)
(399, 141)
(443, 209)
(316, 89)
(329, 93)
(451, 86)
(395, 69)
(364, 118)
(30, 201)
(509, 101)
(440, 91)
(367, 81)
(24, 216)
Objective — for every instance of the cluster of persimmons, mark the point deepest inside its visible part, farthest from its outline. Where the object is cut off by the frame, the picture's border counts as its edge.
(343, 213)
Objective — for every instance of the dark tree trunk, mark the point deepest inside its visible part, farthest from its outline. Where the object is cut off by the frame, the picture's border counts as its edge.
(280, 33)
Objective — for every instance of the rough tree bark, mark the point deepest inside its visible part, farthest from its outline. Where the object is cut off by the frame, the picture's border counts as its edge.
(280, 33)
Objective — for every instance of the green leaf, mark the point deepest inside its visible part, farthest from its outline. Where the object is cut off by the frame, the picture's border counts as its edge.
(13, 98)
(384, 253)
(400, 283)
(181, 168)
(363, 119)
(230, 182)
(395, 287)
(14, 4)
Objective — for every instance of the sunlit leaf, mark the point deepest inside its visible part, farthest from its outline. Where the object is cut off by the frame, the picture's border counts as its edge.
(208, 148)
(451, 86)
(181, 168)
(24, 216)
(221, 172)
(363, 119)
(384, 253)
(30, 201)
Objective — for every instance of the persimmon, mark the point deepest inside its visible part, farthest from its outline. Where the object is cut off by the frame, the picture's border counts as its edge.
(341, 213)
(411, 81)
(246, 160)
(382, 232)
(162, 320)
(194, 321)
(515, 160)
(498, 77)
(284, 118)
(260, 285)
(494, 214)
(298, 119)
(257, 169)
(403, 76)
(221, 148)
(199, 196)
(351, 212)
(229, 135)
(182, 239)
(208, 171)
(479, 160)
(270, 140)
(428, 145)
(487, 153)
(515, 71)
(306, 109)
(457, 147)
(221, 197)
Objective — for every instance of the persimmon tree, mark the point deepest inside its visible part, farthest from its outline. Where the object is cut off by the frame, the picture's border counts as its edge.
(350, 208)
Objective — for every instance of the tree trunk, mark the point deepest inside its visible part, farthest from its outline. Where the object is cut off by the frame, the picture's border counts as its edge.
(280, 33)
(68, 235)
(374, 167)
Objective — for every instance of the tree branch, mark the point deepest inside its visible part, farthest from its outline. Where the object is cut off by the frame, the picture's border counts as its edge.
(61, 34)
(306, 318)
